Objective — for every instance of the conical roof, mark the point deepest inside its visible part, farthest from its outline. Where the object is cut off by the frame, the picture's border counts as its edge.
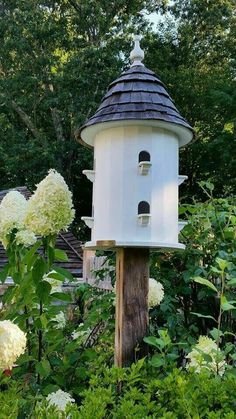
(138, 95)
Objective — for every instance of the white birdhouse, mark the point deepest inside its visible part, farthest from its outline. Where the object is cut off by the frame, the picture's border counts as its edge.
(136, 134)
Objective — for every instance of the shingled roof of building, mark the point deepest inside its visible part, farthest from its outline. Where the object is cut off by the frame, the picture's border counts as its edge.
(137, 94)
(65, 241)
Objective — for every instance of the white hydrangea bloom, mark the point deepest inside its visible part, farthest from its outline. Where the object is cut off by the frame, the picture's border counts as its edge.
(12, 344)
(60, 320)
(76, 334)
(206, 346)
(60, 399)
(80, 334)
(155, 293)
(55, 283)
(26, 238)
(50, 208)
(12, 213)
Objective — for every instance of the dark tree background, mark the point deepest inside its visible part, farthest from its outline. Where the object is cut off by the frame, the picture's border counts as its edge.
(58, 57)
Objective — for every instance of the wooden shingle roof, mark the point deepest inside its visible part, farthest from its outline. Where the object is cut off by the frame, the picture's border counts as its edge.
(137, 94)
(65, 241)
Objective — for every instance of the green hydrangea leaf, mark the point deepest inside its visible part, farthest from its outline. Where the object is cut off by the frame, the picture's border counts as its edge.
(204, 281)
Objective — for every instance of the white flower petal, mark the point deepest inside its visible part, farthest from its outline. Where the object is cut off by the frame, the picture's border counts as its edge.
(60, 399)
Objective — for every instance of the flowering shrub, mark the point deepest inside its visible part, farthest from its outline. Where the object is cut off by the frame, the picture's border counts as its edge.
(155, 294)
(66, 345)
(50, 208)
(12, 344)
(199, 357)
(179, 395)
(31, 302)
(200, 282)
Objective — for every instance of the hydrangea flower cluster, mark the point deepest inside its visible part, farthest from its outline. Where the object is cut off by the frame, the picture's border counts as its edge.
(206, 346)
(26, 238)
(155, 293)
(50, 208)
(60, 399)
(81, 334)
(47, 212)
(12, 213)
(12, 344)
(60, 320)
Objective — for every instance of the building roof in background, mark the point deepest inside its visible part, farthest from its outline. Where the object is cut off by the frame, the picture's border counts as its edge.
(65, 241)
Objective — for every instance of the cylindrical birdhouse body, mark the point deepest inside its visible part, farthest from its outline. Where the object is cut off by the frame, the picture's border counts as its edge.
(136, 134)
(122, 184)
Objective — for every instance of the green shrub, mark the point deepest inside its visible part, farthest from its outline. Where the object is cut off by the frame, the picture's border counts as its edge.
(210, 237)
(134, 393)
(9, 403)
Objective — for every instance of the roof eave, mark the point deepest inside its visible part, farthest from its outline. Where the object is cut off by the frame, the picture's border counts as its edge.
(85, 135)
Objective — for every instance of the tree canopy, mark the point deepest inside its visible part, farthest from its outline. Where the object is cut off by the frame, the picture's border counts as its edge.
(58, 57)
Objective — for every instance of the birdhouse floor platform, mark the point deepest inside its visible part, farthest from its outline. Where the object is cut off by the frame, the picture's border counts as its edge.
(113, 244)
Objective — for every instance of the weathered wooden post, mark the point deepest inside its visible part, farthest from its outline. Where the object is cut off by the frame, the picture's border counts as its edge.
(136, 134)
(132, 275)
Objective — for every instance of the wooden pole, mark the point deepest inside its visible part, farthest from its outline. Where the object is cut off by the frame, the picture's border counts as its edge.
(132, 276)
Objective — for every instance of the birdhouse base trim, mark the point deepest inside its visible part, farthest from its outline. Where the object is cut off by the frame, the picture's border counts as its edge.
(112, 244)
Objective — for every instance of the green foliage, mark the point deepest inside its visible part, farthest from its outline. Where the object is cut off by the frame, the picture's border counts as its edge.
(193, 52)
(59, 57)
(59, 350)
(195, 280)
(137, 392)
(167, 352)
(134, 392)
(9, 402)
(199, 286)
(44, 411)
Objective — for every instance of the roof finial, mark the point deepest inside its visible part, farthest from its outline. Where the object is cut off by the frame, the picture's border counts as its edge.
(137, 54)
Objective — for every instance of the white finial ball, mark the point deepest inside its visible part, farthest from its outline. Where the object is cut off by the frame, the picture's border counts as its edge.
(137, 54)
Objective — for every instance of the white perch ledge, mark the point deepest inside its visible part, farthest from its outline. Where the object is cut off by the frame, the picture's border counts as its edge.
(182, 178)
(90, 174)
(89, 221)
(181, 225)
(144, 167)
(144, 219)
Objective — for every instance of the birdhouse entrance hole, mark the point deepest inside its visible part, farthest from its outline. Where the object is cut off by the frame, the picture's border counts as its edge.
(144, 156)
(144, 160)
(144, 213)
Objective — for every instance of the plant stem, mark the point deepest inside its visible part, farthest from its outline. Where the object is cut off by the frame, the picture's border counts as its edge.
(40, 340)
(28, 340)
(219, 224)
(220, 317)
(221, 311)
